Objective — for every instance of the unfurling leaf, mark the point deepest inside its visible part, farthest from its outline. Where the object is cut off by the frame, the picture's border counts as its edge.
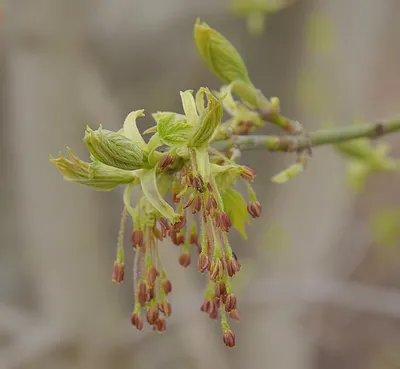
(113, 149)
(95, 175)
(173, 128)
(209, 121)
(236, 208)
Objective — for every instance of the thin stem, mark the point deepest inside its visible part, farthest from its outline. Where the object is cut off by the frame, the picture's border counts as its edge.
(317, 138)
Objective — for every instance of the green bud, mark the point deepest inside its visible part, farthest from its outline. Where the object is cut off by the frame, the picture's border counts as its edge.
(113, 149)
(209, 121)
(96, 175)
(219, 54)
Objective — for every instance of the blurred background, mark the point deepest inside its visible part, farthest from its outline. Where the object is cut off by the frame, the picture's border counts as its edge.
(321, 268)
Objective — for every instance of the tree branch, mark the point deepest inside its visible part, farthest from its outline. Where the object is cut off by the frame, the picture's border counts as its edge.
(321, 137)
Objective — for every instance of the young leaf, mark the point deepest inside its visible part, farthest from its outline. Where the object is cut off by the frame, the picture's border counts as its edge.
(236, 208)
(219, 54)
(209, 121)
(173, 128)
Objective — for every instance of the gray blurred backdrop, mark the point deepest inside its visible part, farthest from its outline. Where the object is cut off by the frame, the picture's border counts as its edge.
(315, 291)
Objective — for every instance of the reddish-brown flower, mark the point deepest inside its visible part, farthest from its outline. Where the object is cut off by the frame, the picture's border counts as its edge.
(220, 289)
(254, 209)
(137, 321)
(184, 259)
(217, 269)
(247, 173)
(142, 293)
(152, 314)
(229, 338)
(232, 266)
(151, 275)
(118, 272)
(165, 308)
(137, 239)
(234, 314)
(230, 302)
(166, 286)
(203, 262)
(196, 204)
(222, 221)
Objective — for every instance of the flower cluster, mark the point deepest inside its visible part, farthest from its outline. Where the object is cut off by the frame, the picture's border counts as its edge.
(199, 182)
(186, 186)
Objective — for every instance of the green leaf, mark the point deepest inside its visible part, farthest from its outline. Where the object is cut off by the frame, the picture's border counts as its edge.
(225, 175)
(148, 180)
(236, 207)
(131, 131)
(173, 128)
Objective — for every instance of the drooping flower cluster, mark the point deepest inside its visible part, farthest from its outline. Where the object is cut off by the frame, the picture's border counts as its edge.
(199, 182)
(186, 186)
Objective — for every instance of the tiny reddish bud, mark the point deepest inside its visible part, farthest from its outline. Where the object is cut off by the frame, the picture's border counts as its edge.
(180, 224)
(150, 293)
(196, 205)
(137, 321)
(222, 221)
(229, 338)
(203, 262)
(166, 286)
(213, 309)
(217, 269)
(152, 314)
(118, 272)
(165, 308)
(220, 289)
(142, 293)
(163, 223)
(230, 302)
(234, 314)
(198, 184)
(194, 239)
(232, 266)
(151, 275)
(254, 209)
(184, 259)
(177, 238)
(247, 174)
(158, 234)
(137, 239)
(161, 325)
